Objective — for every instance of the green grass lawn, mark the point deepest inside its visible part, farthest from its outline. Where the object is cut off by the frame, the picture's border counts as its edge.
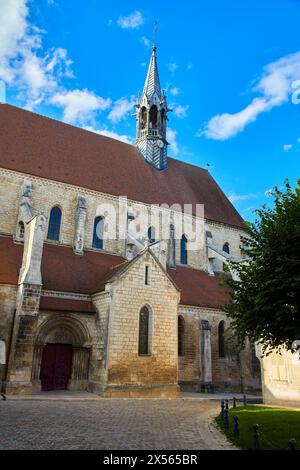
(276, 427)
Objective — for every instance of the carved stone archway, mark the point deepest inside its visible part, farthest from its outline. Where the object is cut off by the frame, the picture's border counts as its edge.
(64, 329)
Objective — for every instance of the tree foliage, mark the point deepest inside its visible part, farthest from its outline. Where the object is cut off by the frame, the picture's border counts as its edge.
(265, 303)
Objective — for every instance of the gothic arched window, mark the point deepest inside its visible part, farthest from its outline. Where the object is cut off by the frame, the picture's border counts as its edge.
(151, 234)
(54, 224)
(221, 340)
(144, 319)
(153, 117)
(226, 248)
(98, 233)
(180, 336)
(143, 117)
(183, 250)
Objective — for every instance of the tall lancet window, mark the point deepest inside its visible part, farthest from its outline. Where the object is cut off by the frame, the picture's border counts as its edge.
(183, 250)
(153, 117)
(143, 118)
(54, 224)
(144, 319)
(221, 339)
(98, 233)
(151, 234)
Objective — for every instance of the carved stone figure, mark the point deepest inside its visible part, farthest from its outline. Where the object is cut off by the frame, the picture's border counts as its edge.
(80, 225)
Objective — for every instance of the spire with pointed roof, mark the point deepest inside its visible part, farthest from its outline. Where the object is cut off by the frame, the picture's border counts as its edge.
(151, 115)
(152, 83)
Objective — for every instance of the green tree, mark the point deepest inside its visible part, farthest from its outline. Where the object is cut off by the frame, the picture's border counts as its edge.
(265, 303)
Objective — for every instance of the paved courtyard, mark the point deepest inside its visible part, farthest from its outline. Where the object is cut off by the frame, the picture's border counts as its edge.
(183, 424)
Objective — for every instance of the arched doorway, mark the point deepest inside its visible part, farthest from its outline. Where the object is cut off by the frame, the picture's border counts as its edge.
(61, 355)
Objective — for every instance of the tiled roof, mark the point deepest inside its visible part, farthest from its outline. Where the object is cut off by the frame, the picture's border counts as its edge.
(43, 147)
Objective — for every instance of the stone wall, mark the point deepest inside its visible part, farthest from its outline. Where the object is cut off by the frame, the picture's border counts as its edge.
(156, 373)
(234, 372)
(7, 308)
(281, 378)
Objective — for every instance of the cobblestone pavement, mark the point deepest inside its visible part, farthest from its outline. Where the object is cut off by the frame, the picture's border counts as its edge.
(110, 424)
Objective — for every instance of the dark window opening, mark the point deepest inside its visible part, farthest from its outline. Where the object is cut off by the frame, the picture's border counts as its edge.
(153, 117)
(147, 275)
(98, 233)
(151, 234)
(143, 118)
(221, 330)
(180, 336)
(54, 224)
(144, 332)
(183, 250)
(226, 248)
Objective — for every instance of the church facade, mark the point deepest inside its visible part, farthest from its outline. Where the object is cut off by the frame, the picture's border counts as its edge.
(111, 257)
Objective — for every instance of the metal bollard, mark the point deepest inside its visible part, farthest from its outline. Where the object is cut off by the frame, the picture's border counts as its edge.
(227, 405)
(234, 402)
(256, 445)
(293, 443)
(245, 400)
(226, 420)
(222, 410)
(236, 430)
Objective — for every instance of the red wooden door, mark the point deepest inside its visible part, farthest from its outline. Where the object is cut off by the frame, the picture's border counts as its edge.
(56, 366)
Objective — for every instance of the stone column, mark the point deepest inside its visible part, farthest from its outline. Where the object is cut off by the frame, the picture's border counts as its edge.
(27, 308)
(172, 250)
(80, 226)
(206, 361)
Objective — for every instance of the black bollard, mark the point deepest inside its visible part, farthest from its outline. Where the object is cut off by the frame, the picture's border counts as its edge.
(234, 402)
(293, 443)
(256, 437)
(227, 405)
(222, 410)
(245, 400)
(236, 430)
(226, 420)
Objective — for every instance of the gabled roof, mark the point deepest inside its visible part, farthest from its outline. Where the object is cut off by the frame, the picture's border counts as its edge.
(50, 149)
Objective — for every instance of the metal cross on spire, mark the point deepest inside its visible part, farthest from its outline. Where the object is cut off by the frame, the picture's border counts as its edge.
(154, 35)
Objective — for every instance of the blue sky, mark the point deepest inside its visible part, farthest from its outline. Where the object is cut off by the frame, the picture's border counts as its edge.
(231, 71)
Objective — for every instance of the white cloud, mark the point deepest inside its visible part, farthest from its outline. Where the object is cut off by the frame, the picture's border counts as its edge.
(175, 91)
(172, 139)
(132, 21)
(121, 108)
(242, 197)
(79, 106)
(274, 87)
(173, 67)
(145, 41)
(113, 135)
(180, 111)
(23, 63)
(287, 147)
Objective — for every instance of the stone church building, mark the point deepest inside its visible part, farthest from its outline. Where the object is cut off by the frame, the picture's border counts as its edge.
(111, 257)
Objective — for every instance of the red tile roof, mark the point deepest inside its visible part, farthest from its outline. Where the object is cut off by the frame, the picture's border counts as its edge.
(198, 288)
(43, 147)
(64, 271)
